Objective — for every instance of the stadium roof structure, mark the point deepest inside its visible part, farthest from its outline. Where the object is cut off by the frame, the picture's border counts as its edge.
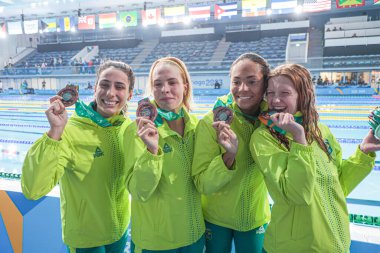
(31, 9)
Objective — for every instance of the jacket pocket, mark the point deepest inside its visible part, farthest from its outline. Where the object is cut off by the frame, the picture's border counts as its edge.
(297, 222)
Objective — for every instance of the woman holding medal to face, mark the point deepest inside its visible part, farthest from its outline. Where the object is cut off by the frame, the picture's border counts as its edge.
(166, 207)
(234, 200)
(83, 154)
(303, 168)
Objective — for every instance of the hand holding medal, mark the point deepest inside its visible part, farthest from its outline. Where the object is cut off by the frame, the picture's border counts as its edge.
(223, 113)
(146, 110)
(146, 113)
(69, 95)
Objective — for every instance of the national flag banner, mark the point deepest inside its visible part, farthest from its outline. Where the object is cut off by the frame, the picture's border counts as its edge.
(128, 18)
(283, 6)
(150, 16)
(316, 5)
(376, 2)
(31, 26)
(86, 22)
(200, 12)
(48, 25)
(225, 10)
(252, 8)
(107, 20)
(349, 3)
(14, 27)
(174, 14)
(3, 28)
(66, 23)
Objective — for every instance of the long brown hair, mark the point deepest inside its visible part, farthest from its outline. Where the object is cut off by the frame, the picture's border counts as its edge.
(301, 79)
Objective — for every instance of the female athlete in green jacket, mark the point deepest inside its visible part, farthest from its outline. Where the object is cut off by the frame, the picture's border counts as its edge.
(83, 154)
(166, 207)
(234, 200)
(303, 169)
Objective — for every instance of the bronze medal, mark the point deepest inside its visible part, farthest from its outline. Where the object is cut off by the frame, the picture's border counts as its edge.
(223, 114)
(69, 95)
(146, 109)
(374, 122)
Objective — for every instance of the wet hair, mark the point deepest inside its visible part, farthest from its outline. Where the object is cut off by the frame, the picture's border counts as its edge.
(173, 61)
(303, 84)
(253, 57)
(120, 66)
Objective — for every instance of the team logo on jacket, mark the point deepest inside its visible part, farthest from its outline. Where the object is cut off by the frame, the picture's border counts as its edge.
(328, 146)
(167, 148)
(98, 152)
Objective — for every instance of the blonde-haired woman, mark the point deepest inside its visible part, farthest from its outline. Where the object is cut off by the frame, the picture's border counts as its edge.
(166, 208)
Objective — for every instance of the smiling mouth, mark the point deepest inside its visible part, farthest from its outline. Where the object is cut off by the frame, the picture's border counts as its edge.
(110, 103)
(277, 110)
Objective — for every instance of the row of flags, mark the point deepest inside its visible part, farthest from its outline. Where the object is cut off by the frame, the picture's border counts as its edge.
(250, 8)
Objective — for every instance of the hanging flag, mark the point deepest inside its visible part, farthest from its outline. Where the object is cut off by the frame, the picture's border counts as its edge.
(225, 10)
(31, 26)
(128, 18)
(174, 14)
(150, 16)
(316, 5)
(14, 27)
(107, 20)
(200, 12)
(3, 28)
(66, 23)
(349, 3)
(283, 6)
(86, 22)
(251, 8)
(48, 25)
(376, 2)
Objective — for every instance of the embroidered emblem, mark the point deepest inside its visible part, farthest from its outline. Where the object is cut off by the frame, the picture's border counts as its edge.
(260, 230)
(98, 152)
(208, 234)
(167, 148)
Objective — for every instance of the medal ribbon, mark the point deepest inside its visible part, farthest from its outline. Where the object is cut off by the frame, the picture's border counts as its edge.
(266, 120)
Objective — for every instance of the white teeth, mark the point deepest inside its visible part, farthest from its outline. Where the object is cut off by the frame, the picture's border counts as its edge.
(109, 102)
(244, 97)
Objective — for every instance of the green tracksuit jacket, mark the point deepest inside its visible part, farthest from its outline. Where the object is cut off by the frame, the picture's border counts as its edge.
(88, 165)
(166, 207)
(235, 198)
(309, 212)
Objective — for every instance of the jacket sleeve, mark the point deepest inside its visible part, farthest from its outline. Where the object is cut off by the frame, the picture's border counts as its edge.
(209, 172)
(354, 169)
(144, 169)
(44, 166)
(289, 175)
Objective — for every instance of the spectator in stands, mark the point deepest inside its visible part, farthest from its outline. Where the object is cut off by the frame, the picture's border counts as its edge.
(340, 28)
(328, 29)
(217, 85)
(235, 203)
(303, 168)
(334, 29)
(89, 86)
(166, 207)
(1, 87)
(354, 35)
(319, 81)
(83, 154)
(43, 84)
